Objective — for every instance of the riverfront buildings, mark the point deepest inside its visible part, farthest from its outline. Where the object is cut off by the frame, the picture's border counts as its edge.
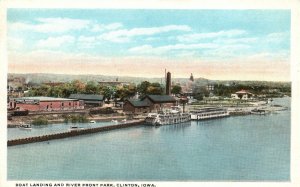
(45, 104)
(89, 99)
(149, 103)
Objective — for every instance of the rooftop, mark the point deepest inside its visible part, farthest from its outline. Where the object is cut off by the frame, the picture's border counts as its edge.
(161, 98)
(242, 92)
(138, 103)
(42, 98)
(87, 97)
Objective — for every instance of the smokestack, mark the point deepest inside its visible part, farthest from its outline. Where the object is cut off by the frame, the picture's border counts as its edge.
(168, 84)
(192, 78)
(165, 75)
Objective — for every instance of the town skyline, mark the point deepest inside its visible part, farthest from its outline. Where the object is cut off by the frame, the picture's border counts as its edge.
(219, 45)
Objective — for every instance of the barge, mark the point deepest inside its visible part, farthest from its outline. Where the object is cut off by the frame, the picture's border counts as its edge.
(208, 113)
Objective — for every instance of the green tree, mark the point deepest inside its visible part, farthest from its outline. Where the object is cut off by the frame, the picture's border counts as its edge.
(142, 88)
(176, 89)
(199, 96)
(199, 92)
(155, 89)
(107, 92)
(126, 91)
(77, 87)
(91, 88)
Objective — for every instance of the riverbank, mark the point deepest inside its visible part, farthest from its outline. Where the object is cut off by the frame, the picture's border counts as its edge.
(234, 107)
(60, 135)
(59, 118)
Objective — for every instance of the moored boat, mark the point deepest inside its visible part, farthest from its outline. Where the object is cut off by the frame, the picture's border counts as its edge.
(74, 128)
(259, 112)
(25, 126)
(168, 117)
(208, 113)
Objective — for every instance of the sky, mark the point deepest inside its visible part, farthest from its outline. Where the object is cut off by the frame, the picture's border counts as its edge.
(213, 44)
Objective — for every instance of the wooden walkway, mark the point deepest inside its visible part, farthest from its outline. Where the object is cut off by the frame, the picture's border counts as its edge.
(72, 133)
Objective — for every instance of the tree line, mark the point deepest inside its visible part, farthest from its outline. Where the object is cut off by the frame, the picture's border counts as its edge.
(121, 92)
(223, 90)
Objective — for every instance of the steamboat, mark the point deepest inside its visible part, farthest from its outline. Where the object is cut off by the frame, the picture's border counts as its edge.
(168, 117)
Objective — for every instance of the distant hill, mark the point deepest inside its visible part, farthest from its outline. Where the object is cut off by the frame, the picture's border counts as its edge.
(41, 78)
(38, 78)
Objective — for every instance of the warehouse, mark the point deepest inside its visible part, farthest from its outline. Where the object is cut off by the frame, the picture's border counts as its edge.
(45, 104)
(89, 99)
(135, 106)
(150, 103)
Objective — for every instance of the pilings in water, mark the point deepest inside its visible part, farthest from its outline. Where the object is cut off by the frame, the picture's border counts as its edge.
(71, 133)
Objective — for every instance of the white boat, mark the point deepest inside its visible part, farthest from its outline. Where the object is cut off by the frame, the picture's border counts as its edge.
(168, 117)
(92, 121)
(114, 121)
(259, 112)
(74, 128)
(208, 113)
(124, 120)
(25, 126)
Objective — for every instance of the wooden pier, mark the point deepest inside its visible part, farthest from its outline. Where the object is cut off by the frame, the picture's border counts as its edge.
(72, 133)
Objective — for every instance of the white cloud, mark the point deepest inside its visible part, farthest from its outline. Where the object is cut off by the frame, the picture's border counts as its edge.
(14, 43)
(16, 26)
(61, 25)
(148, 49)
(282, 55)
(54, 42)
(195, 37)
(124, 35)
(188, 46)
(86, 42)
(51, 25)
(141, 49)
(226, 51)
(86, 39)
(278, 37)
(103, 27)
(246, 40)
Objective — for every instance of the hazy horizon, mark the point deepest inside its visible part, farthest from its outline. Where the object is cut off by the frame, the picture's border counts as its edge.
(245, 45)
(120, 77)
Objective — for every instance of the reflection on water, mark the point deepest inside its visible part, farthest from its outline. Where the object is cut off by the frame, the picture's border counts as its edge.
(176, 127)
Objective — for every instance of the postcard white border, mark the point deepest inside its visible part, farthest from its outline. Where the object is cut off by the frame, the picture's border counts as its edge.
(292, 5)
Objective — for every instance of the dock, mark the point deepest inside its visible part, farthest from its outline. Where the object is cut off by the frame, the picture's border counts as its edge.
(72, 133)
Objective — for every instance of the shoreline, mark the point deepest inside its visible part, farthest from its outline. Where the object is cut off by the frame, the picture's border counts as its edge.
(18, 120)
(234, 110)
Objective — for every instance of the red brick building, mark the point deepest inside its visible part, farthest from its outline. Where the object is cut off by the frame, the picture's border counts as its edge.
(45, 104)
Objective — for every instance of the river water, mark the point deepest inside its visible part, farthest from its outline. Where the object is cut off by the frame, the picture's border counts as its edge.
(15, 133)
(239, 148)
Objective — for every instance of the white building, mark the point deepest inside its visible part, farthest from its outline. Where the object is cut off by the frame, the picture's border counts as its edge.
(242, 94)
